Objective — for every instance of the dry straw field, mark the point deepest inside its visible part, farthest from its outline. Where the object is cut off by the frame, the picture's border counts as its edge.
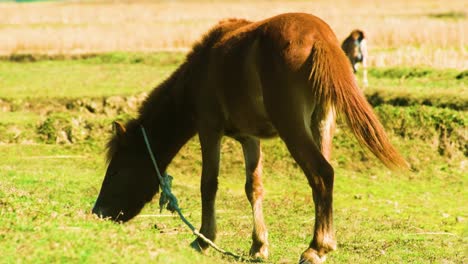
(400, 32)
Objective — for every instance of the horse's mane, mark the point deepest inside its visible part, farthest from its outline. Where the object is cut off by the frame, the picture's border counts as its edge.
(177, 84)
(171, 91)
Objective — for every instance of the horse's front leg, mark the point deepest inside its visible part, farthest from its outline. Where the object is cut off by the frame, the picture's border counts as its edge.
(210, 146)
(254, 192)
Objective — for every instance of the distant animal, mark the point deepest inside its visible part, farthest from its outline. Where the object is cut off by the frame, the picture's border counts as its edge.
(284, 76)
(355, 48)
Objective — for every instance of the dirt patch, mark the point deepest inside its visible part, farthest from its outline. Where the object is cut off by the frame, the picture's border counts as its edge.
(65, 121)
(113, 105)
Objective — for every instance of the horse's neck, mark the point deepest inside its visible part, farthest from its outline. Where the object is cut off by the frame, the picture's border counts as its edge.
(167, 116)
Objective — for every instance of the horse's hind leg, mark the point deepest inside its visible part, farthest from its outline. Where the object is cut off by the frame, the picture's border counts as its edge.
(254, 192)
(320, 176)
(323, 128)
(293, 122)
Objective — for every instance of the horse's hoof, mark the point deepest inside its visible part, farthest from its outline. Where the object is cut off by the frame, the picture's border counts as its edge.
(310, 256)
(259, 253)
(196, 246)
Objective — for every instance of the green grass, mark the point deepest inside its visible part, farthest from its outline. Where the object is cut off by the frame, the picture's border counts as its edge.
(47, 190)
(19, 117)
(416, 86)
(96, 76)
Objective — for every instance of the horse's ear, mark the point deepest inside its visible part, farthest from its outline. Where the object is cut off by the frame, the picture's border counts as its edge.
(119, 129)
(361, 35)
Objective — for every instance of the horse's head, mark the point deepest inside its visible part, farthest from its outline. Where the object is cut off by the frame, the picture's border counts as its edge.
(130, 181)
(358, 35)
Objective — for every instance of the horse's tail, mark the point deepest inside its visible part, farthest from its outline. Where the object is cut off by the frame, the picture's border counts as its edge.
(336, 86)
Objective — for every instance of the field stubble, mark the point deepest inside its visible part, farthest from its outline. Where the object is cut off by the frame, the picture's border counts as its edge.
(400, 33)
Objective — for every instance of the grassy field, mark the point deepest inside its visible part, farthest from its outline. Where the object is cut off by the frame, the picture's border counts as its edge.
(53, 131)
(381, 217)
(69, 68)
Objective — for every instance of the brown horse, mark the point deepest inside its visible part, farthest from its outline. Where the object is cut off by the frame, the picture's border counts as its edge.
(283, 76)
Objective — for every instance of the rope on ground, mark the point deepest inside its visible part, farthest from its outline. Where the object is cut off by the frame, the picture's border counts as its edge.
(169, 199)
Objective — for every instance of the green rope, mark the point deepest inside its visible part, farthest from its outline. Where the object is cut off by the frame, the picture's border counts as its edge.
(170, 201)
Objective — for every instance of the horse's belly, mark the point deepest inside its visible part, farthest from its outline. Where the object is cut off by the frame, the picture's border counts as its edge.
(250, 119)
(255, 128)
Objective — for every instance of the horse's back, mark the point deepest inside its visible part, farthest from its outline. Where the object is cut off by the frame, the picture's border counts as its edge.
(287, 36)
(300, 28)
(291, 37)
(253, 58)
